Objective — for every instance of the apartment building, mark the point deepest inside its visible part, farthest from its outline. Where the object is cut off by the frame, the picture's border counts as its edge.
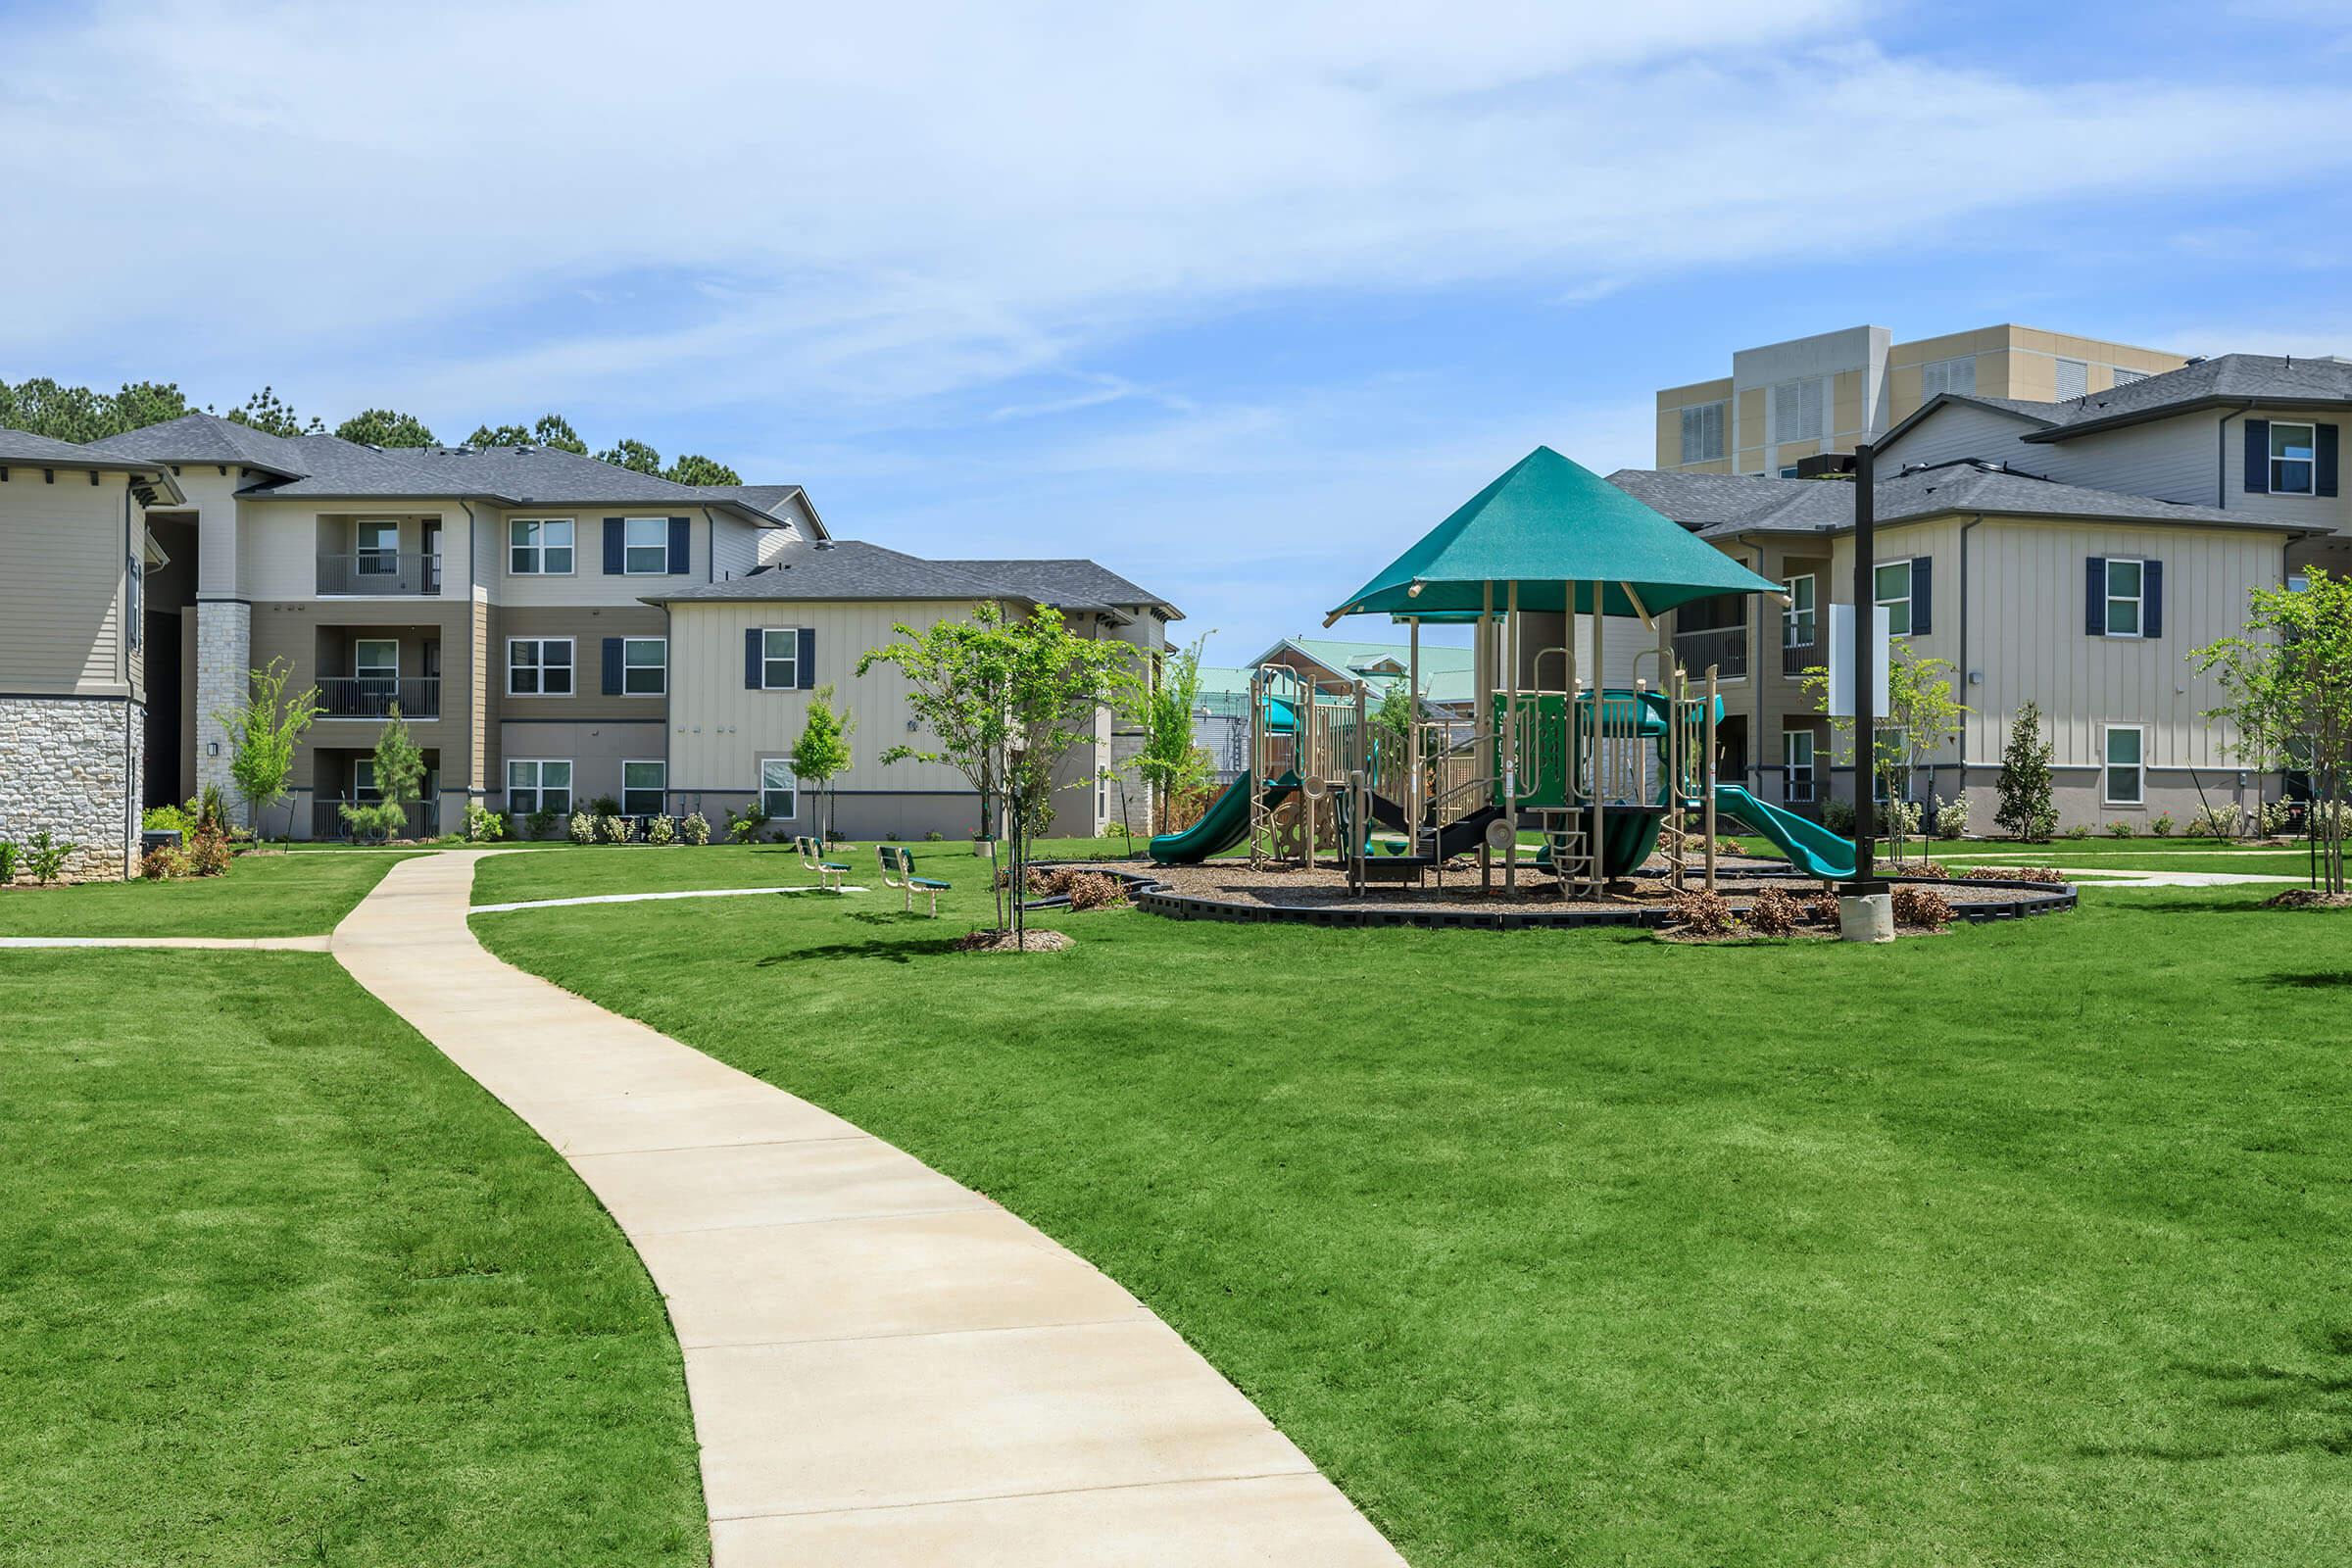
(2068, 554)
(515, 603)
(1786, 402)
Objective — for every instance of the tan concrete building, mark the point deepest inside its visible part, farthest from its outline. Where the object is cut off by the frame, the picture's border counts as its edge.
(1786, 402)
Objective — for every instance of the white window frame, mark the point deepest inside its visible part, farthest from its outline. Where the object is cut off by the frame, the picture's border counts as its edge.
(627, 643)
(1708, 419)
(375, 560)
(1792, 770)
(538, 787)
(2137, 600)
(538, 546)
(2311, 463)
(2108, 765)
(629, 547)
(659, 790)
(1903, 599)
(393, 643)
(1809, 613)
(570, 667)
(768, 660)
(791, 792)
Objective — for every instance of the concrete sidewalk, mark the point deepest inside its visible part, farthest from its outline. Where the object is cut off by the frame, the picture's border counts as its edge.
(884, 1367)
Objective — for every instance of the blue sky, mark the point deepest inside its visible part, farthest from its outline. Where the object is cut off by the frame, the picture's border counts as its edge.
(1235, 301)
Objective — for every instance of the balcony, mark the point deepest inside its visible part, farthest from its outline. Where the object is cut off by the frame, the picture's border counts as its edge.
(1722, 647)
(327, 820)
(373, 573)
(1797, 658)
(373, 696)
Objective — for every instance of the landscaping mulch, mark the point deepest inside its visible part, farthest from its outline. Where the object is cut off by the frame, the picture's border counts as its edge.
(2308, 899)
(1006, 942)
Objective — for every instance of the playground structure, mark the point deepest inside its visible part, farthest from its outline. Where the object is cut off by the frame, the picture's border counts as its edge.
(1605, 777)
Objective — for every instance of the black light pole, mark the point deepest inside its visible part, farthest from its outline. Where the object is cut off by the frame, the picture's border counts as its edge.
(1866, 736)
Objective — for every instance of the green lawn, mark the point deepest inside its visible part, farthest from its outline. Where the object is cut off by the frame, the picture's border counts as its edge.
(266, 895)
(2023, 1245)
(279, 1284)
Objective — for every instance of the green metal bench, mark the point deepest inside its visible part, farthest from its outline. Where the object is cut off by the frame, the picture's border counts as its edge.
(897, 871)
(830, 875)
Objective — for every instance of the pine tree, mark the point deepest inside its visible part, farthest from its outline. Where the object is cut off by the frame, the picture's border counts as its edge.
(2025, 811)
(399, 778)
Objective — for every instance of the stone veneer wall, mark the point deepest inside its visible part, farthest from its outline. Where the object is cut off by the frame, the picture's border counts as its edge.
(72, 765)
(223, 677)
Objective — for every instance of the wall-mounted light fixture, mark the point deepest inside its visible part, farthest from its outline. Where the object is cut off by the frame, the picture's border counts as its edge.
(213, 748)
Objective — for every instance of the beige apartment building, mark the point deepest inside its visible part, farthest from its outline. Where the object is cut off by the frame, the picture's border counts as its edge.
(1786, 402)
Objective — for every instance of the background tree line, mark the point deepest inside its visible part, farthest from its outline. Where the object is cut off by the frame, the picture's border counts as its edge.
(80, 414)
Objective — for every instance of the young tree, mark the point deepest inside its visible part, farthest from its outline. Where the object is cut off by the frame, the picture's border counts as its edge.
(1169, 761)
(399, 778)
(385, 427)
(1005, 700)
(1920, 720)
(262, 733)
(695, 468)
(823, 753)
(2025, 812)
(2287, 685)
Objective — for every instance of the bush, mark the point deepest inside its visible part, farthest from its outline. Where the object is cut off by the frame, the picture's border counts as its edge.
(661, 830)
(2119, 829)
(539, 822)
(180, 819)
(1838, 815)
(610, 829)
(45, 857)
(1774, 914)
(1934, 870)
(2215, 821)
(1702, 914)
(605, 806)
(1899, 819)
(2162, 826)
(165, 861)
(209, 852)
(2275, 817)
(1951, 816)
(1094, 889)
(2012, 873)
(2081, 830)
(8, 861)
(747, 826)
(482, 824)
(696, 829)
(935, 836)
(1822, 908)
(1922, 906)
(582, 828)
(379, 820)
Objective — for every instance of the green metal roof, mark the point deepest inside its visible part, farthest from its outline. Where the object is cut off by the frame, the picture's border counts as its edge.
(1555, 528)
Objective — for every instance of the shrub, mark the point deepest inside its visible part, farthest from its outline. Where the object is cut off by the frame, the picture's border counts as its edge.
(8, 861)
(209, 852)
(177, 819)
(582, 828)
(2081, 830)
(1922, 906)
(2275, 817)
(1774, 914)
(1838, 815)
(1934, 871)
(661, 830)
(696, 829)
(1951, 816)
(1822, 908)
(605, 806)
(2025, 809)
(2119, 829)
(45, 857)
(1899, 819)
(935, 836)
(747, 826)
(610, 829)
(2162, 826)
(2012, 873)
(539, 822)
(482, 824)
(2215, 821)
(164, 862)
(1093, 890)
(1702, 914)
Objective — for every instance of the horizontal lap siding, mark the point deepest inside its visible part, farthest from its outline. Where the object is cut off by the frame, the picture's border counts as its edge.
(588, 582)
(62, 563)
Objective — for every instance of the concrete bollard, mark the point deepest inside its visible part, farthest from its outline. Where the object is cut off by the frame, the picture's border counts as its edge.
(1868, 918)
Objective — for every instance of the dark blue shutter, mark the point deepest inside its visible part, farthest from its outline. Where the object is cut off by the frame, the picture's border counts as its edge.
(752, 652)
(613, 667)
(2258, 456)
(681, 546)
(2095, 597)
(2324, 470)
(617, 547)
(2152, 599)
(1922, 595)
(805, 663)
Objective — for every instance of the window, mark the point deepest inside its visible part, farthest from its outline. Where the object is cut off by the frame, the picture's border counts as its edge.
(2124, 377)
(1796, 411)
(1892, 581)
(646, 542)
(2126, 771)
(539, 547)
(779, 791)
(538, 786)
(379, 554)
(362, 780)
(642, 788)
(539, 666)
(1797, 621)
(2127, 587)
(1796, 764)
(1949, 375)
(644, 667)
(2074, 379)
(1702, 432)
(135, 580)
(2292, 447)
(1790, 472)
(376, 660)
(779, 658)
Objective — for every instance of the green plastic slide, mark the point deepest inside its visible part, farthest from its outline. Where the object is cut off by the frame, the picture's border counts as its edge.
(1223, 826)
(1811, 848)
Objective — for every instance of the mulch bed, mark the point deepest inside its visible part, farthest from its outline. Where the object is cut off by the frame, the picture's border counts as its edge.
(1004, 941)
(2309, 898)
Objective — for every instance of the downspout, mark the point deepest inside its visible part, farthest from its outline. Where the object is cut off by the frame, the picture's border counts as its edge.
(474, 763)
(2221, 451)
(133, 809)
(1961, 791)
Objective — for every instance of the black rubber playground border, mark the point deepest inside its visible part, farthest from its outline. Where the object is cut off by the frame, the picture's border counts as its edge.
(1154, 897)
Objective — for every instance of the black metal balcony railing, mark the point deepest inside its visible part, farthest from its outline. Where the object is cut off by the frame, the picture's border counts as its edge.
(380, 572)
(373, 696)
(1797, 658)
(1723, 647)
(327, 820)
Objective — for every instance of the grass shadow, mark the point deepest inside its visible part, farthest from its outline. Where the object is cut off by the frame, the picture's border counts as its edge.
(905, 951)
(2316, 980)
(2244, 1387)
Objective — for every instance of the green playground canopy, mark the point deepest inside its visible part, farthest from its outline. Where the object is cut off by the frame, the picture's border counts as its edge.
(1555, 528)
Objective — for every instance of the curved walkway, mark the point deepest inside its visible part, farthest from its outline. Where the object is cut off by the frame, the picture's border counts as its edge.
(884, 1367)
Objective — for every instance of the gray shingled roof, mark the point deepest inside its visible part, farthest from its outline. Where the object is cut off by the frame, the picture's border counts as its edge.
(22, 446)
(765, 497)
(2225, 379)
(851, 569)
(1715, 505)
(209, 438)
(1070, 583)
